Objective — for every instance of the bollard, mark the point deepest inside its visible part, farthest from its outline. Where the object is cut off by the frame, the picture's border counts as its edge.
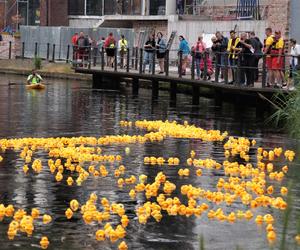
(53, 53)
(153, 62)
(48, 51)
(193, 66)
(264, 71)
(141, 61)
(9, 52)
(35, 50)
(68, 53)
(116, 59)
(205, 65)
(167, 57)
(180, 64)
(226, 68)
(23, 50)
(128, 60)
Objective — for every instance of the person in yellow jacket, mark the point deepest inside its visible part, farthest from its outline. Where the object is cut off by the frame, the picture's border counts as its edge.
(123, 47)
(232, 50)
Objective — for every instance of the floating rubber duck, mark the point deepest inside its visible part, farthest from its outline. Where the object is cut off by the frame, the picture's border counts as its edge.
(44, 242)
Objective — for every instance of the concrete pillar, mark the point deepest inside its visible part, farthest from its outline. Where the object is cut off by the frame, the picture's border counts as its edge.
(145, 7)
(170, 7)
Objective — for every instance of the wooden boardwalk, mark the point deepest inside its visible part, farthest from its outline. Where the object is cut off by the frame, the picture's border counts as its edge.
(110, 78)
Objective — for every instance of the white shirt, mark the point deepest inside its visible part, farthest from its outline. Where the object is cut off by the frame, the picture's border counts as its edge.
(295, 52)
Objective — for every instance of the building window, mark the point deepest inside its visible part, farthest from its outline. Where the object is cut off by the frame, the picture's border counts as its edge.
(94, 7)
(111, 6)
(76, 7)
(157, 7)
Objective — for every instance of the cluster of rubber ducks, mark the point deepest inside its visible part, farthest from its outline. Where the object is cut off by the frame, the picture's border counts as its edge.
(90, 213)
(74, 160)
(23, 222)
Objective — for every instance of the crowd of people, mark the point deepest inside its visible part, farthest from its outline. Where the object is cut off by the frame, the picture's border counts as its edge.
(237, 59)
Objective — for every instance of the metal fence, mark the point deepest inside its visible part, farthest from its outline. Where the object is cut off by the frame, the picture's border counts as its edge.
(58, 38)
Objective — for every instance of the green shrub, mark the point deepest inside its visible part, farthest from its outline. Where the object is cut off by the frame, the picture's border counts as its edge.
(37, 63)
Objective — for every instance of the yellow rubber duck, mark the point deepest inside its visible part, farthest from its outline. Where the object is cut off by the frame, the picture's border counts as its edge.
(44, 242)
(69, 213)
(47, 219)
(123, 246)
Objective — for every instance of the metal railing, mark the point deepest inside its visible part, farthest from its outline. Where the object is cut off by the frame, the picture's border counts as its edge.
(205, 66)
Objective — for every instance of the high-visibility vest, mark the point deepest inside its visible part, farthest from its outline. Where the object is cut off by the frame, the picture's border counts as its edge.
(123, 45)
(232, 54)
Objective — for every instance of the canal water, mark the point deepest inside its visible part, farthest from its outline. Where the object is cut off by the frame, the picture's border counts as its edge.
(71, 108)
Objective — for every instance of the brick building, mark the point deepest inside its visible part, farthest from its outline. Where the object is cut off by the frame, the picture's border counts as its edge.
(188, 17)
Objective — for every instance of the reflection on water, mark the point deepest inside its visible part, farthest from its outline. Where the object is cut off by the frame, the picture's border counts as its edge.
(70, 108)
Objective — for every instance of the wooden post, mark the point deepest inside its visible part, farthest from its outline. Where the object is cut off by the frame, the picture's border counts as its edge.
(102, 59)
(196, 94)
(167, 58)
(225, 68)
(68, 53)
(23, 50)
(116, 59)
(217, 67)
(135, 86)
(36, 50)
(9, 51)
(155, 89)
(141, 61)
(205, 54)
(193, 66)
(264, 71)
(53, 53)
(180, 64)
(48, 51)
(137, 57)
(153, 62)
(128, 60)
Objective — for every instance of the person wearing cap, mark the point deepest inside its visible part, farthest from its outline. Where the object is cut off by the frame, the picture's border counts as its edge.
(277, 53)
(268, 43)
(232, 50)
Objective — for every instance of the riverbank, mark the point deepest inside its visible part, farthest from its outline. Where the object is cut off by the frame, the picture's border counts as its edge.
(59, 70)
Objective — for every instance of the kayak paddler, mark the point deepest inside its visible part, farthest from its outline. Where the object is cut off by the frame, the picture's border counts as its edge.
(34, 78)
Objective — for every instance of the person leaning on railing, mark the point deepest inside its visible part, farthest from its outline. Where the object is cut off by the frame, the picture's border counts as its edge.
(185, 50)
(123, 47)
(149, 49)
(232, 50)
(198, 50)
(110, 45)
(268, 43)
(82, 45)
(258, 54)
(161, 46)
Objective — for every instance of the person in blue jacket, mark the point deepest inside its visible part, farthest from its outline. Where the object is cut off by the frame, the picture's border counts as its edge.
(185, 49)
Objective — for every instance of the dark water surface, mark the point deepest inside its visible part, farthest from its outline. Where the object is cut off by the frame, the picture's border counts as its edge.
(70, 108)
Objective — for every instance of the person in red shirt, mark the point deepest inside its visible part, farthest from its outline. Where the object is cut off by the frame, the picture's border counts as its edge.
(74, 43)
(199, 49)
(110, 45)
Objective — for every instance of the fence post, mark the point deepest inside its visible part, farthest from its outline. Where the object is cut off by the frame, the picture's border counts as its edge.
(193, 66)
(137, 57)
(167, 61)
(116, 59)
(68, 53)
(9, 52)
(102, 59)
(89, 57)
(35, 50)
(48, 51)
(128, 60)
(180, 64)
(132, 57)
(217, 67)
(264, 71)
(23, 50)
(205, 65)
(141, 61)
(53, 53)
(238, 71)
(153, 61)
(225, 71)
